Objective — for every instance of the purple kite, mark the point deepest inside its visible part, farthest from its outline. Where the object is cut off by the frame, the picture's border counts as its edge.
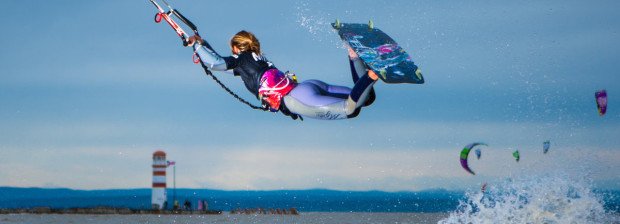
(465, 154)
(601, 101)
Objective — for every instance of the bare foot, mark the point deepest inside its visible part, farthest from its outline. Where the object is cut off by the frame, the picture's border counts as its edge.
(373, 75)
(352, 53)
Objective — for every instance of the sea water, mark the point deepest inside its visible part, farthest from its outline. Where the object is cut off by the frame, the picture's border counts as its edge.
(311, 217)
(551, 198)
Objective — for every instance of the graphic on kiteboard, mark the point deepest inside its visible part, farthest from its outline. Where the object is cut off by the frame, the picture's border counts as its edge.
(380, 52)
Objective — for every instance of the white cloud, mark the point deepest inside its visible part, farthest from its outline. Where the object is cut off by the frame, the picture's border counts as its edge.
(264, 168)
(412, 156)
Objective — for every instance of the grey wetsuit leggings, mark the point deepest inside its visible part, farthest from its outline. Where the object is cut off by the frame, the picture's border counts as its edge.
(317, 99)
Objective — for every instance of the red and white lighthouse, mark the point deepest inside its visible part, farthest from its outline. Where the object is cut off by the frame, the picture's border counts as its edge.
(158, 199)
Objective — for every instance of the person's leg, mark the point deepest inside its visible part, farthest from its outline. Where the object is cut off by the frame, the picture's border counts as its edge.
(333, 90)
(357, 67)
(313, 99)
(361, 91)
(356, 64)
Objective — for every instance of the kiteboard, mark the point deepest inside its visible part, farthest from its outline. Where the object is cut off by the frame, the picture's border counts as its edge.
(380, 52)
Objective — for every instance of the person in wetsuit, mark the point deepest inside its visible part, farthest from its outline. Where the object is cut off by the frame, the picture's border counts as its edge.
(279, 92)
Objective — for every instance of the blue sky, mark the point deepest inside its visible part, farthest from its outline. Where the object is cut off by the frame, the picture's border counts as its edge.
(88, 90)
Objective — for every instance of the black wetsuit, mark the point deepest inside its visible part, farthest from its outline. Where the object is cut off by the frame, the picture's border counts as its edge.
(250, 67)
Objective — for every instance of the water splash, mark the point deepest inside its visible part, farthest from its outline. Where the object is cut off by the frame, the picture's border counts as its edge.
(317, 23)
(547, 199)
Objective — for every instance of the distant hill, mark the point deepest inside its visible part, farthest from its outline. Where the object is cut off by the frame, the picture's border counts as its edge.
(303, 200)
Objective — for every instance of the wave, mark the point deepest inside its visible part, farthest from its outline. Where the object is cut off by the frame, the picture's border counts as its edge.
(551, 198)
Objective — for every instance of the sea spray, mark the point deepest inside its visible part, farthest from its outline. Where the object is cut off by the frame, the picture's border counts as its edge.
(317, 23)
(553, 198)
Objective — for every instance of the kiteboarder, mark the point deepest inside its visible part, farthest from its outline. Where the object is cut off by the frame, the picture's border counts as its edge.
(279, 91)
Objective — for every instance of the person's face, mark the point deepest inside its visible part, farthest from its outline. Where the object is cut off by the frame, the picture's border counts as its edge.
(235, 50)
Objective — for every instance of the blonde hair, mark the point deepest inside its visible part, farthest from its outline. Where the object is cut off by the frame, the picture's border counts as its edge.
(245, 41)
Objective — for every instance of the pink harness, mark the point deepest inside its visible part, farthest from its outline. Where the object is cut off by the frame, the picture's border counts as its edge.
(273, 86)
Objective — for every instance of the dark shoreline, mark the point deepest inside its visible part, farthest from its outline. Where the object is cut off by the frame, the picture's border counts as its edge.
(306, 218)
(104, 211)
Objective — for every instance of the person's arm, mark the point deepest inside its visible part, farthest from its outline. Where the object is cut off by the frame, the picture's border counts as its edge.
(207, 55)
(211, 58)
